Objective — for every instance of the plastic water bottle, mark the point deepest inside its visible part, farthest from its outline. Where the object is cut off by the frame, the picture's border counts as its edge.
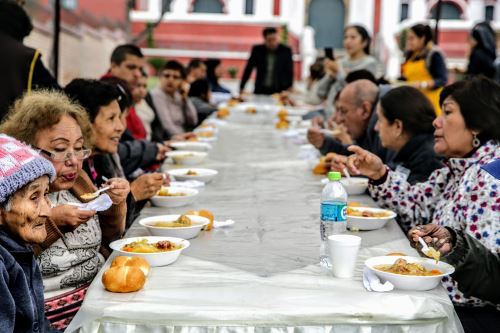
(333, 214)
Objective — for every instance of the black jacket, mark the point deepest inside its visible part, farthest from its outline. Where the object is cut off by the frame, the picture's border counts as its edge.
(418, 157)
(21, 288)
(370, 141)
(283, 69)
(136, 154)
(481, 63)
(15, 63)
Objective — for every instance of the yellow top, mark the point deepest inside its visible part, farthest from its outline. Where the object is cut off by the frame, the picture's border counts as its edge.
(416, 71)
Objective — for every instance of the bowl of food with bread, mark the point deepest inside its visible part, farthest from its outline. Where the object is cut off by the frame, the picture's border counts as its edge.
(157, 250)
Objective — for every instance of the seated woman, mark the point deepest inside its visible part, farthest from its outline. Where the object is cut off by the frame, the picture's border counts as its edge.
(199, 92)
(461, 195)
(24, 211)
(101, 101)
(77, 240)
(214, 73)
(408, 131)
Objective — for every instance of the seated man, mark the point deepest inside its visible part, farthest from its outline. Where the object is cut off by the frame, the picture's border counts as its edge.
(176, 112)
(24, 211)
(356, 111)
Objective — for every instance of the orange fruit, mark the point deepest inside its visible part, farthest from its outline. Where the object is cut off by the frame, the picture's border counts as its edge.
(203, 213)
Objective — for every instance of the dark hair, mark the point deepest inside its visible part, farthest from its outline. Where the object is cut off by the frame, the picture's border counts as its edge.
(361, 74)
(199, 88)
(269, 31)
(174, 65)
(92, 94)
(121, 51)
(365, 36)
(14, 21)
(411, 106)
(485, 38)
(211, 66)
(125, 100)
(317, 70)
(479, 102)
(423, 30)
(194, 63)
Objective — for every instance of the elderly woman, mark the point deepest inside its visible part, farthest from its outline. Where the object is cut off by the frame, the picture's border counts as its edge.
(24, 211)
(462, 195)
(77, 240)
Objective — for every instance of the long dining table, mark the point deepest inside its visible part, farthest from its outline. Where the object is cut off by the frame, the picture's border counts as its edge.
(262, 274)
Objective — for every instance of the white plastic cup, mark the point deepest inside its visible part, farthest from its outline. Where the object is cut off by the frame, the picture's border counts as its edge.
(343, 254)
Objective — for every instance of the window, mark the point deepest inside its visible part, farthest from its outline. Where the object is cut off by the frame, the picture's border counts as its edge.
(489, 13)
(208, 6)
(449, 11)
(404, 12)
(248, 7)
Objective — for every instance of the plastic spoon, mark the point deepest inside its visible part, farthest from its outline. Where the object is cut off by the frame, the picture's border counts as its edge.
(90, 196)
(346, 174)
(429, 251)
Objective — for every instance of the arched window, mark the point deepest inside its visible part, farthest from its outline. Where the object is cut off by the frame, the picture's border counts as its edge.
(327, 19)
(208, 6)
(449, 11)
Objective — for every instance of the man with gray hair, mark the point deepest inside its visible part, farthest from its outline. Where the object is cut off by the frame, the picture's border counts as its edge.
(356, 111)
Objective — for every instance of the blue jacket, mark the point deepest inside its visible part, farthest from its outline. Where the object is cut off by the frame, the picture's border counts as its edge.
(21, 288)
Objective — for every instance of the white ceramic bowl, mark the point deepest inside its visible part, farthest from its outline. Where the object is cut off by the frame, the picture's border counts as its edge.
(181, 232)
(355, 185)
(154, 259)
(409, 282)
(175, 201)
(368, 223)
(203, 175)
(191, 146)
(187, 157)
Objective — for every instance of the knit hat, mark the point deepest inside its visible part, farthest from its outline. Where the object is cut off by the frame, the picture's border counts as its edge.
(19, 166)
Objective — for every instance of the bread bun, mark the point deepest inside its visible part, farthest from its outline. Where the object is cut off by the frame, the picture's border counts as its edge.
(123, 279)
(203, 213)
(138, 262)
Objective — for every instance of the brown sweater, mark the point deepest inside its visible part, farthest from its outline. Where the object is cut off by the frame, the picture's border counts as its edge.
(112, 221)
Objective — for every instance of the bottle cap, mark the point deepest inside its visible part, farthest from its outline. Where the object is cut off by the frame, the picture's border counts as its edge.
(334, 175)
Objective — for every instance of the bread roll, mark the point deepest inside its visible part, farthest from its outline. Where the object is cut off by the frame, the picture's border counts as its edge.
(123, 279)
(138, 262)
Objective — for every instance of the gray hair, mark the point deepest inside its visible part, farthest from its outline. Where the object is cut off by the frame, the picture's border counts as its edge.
(364, 91)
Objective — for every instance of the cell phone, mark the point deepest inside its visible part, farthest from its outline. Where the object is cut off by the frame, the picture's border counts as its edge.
(329, 53)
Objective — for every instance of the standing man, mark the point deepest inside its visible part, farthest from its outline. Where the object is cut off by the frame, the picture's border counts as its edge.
(274, 64)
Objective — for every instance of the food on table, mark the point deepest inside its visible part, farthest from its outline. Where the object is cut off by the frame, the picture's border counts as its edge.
(138, 262)
(207, 126)
(282, 124)
(232, 102)
(123, 279)
(367, 213)
(182, 221)
(354, 204)
(204, 213)
(205, 134)
(193, 139)
(396, 254)
(320, 168)
(433, 253)
(251, 110)
(223, 113)
(143, 246)
(401, 266)
(191, 173)
(88, 196)
(282, 114)
(183, 156)
(164, 192)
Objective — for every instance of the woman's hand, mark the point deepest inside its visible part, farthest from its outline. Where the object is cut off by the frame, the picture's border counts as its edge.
(362, 162)
(436, 236)
(119, 189)
(331, 67)
(146, 186)
(70, 216)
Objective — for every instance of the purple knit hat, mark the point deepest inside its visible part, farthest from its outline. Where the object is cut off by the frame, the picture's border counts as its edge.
(20, 165)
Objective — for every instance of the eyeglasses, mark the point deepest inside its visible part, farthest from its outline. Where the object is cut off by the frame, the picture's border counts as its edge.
(63, 156)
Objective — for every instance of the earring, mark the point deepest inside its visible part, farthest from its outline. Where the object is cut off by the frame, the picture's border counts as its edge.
(475, 141)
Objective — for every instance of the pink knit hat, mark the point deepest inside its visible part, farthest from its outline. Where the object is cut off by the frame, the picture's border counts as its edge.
(19, 166)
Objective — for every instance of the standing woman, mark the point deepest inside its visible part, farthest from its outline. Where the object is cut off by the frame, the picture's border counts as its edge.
(425, 66)
(483, 51)
(357, 46)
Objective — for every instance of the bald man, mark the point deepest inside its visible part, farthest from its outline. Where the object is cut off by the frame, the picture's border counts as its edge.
(356, 111)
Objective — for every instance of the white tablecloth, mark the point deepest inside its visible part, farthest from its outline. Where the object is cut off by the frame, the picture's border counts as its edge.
(262, 274)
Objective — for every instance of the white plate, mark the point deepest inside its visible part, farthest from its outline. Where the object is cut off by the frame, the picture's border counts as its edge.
(154, 259)
(368, 223)
(181, 232)
(170, 202)
(355, 185)
(191, 146)
(208, 140)
(409, 282)
(203, 175)
(187, 157)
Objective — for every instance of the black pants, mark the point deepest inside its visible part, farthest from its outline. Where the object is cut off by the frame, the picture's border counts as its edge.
(479, 319)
